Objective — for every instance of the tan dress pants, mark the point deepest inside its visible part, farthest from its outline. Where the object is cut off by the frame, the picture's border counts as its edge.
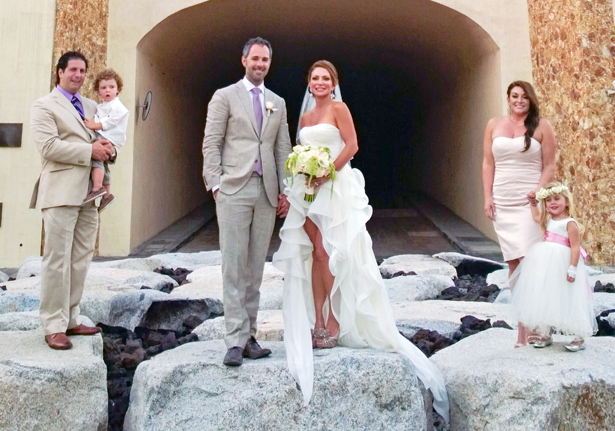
(70, 236)
(246, 220)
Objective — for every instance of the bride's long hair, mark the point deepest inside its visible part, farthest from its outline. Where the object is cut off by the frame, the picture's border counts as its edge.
(533, 115)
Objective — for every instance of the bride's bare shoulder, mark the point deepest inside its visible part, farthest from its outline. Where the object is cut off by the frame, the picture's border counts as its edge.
(306, 119)
(339, 106)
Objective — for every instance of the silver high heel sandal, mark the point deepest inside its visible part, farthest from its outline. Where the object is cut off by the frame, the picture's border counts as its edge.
(327, 342)
(318, 335)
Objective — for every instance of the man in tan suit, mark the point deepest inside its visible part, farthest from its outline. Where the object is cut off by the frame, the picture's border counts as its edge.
(244, 150)
(67, 148)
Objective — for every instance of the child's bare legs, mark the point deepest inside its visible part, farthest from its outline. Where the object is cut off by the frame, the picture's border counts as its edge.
(107, 188)
(98, 174)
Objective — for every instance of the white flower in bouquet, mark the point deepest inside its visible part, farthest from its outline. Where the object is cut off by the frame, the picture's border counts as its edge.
(313, 162)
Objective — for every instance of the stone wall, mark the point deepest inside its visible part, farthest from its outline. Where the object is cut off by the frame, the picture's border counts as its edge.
(82, 26)
(573, 49)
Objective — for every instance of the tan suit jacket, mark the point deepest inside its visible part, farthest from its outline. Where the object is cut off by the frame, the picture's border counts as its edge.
(65, 145)
(231, 143)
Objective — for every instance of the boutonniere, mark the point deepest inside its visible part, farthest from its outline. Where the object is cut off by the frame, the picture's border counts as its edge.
(269, 107)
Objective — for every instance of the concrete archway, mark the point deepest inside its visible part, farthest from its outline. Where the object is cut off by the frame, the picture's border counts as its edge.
(421, 79)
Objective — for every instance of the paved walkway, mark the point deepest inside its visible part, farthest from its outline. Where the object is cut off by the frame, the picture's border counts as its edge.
(424, 227)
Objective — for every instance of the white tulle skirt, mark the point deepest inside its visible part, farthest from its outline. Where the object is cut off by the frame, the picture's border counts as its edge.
(544, 299)
(358, 300)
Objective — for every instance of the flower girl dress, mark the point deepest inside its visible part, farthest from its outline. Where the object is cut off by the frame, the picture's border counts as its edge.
(541, 295)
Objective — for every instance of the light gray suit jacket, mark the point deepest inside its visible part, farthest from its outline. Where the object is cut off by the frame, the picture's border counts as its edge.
(231, 143)
(65, 145)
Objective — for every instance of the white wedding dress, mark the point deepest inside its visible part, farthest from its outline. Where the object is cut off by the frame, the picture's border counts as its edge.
(358, 298)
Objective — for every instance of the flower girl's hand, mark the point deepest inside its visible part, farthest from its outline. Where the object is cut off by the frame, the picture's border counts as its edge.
(571, 274)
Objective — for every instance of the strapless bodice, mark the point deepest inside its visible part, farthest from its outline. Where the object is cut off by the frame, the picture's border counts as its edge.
(508, 152)
(323, 135)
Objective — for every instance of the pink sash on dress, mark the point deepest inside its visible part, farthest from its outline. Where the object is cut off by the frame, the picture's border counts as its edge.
(561, 239)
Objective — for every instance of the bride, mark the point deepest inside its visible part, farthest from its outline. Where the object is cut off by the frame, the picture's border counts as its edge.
(333, 291)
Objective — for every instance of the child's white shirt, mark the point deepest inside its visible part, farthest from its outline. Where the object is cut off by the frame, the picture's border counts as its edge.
(113, 116)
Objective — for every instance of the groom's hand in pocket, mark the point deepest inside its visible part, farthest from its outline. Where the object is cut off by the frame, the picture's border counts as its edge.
(283, 206)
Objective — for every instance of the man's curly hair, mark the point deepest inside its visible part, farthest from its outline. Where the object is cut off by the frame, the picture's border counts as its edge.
(107, 75)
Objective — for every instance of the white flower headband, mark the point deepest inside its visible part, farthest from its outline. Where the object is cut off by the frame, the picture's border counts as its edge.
(555, 190)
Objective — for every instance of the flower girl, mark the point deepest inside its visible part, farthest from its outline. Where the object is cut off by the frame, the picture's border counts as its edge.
(551, 285)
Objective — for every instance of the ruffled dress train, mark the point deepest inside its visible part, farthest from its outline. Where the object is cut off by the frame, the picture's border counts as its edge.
(358, 299)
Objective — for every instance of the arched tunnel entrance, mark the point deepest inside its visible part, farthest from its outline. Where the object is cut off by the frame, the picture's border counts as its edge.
(420, 79)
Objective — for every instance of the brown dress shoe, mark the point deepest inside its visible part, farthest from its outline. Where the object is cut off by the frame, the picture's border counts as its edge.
(58, 341)
(254, 351)
(83, 330)
(233, 357)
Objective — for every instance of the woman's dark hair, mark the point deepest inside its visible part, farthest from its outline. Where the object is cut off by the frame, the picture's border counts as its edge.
(66, 57)
(533, 115)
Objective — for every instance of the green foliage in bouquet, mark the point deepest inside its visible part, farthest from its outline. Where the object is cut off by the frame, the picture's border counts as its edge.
(313, 162)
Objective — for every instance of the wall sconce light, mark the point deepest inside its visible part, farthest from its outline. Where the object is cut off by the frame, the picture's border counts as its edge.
(147, 105)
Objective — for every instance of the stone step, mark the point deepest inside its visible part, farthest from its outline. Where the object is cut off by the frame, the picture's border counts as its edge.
(51, 390)
(189, 388)
(493, 386)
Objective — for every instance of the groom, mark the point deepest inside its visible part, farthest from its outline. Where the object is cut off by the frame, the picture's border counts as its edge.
(244, 150)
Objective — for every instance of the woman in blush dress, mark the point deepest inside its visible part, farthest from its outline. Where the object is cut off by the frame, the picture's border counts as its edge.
(519, 159)
(333, 291)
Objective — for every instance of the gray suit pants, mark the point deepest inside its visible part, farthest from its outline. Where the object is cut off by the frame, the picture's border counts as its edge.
(246, 220)
(70, 235)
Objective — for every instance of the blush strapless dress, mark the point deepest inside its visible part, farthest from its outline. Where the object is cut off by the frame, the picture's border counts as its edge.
(516, 173)
(358, 299)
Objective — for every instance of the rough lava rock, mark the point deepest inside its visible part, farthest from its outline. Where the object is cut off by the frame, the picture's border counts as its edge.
(418, 264)
(470, 265)
(189, 388)
(45, 389)
(493, 386)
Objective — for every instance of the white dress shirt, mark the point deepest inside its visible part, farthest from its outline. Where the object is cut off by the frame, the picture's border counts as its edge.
(113, 116)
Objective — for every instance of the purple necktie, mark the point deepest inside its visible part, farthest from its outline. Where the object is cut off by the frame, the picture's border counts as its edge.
(258, 113)
(78, 107)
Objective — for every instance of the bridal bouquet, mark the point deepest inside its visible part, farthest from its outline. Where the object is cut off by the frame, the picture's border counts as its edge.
(313, 162)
